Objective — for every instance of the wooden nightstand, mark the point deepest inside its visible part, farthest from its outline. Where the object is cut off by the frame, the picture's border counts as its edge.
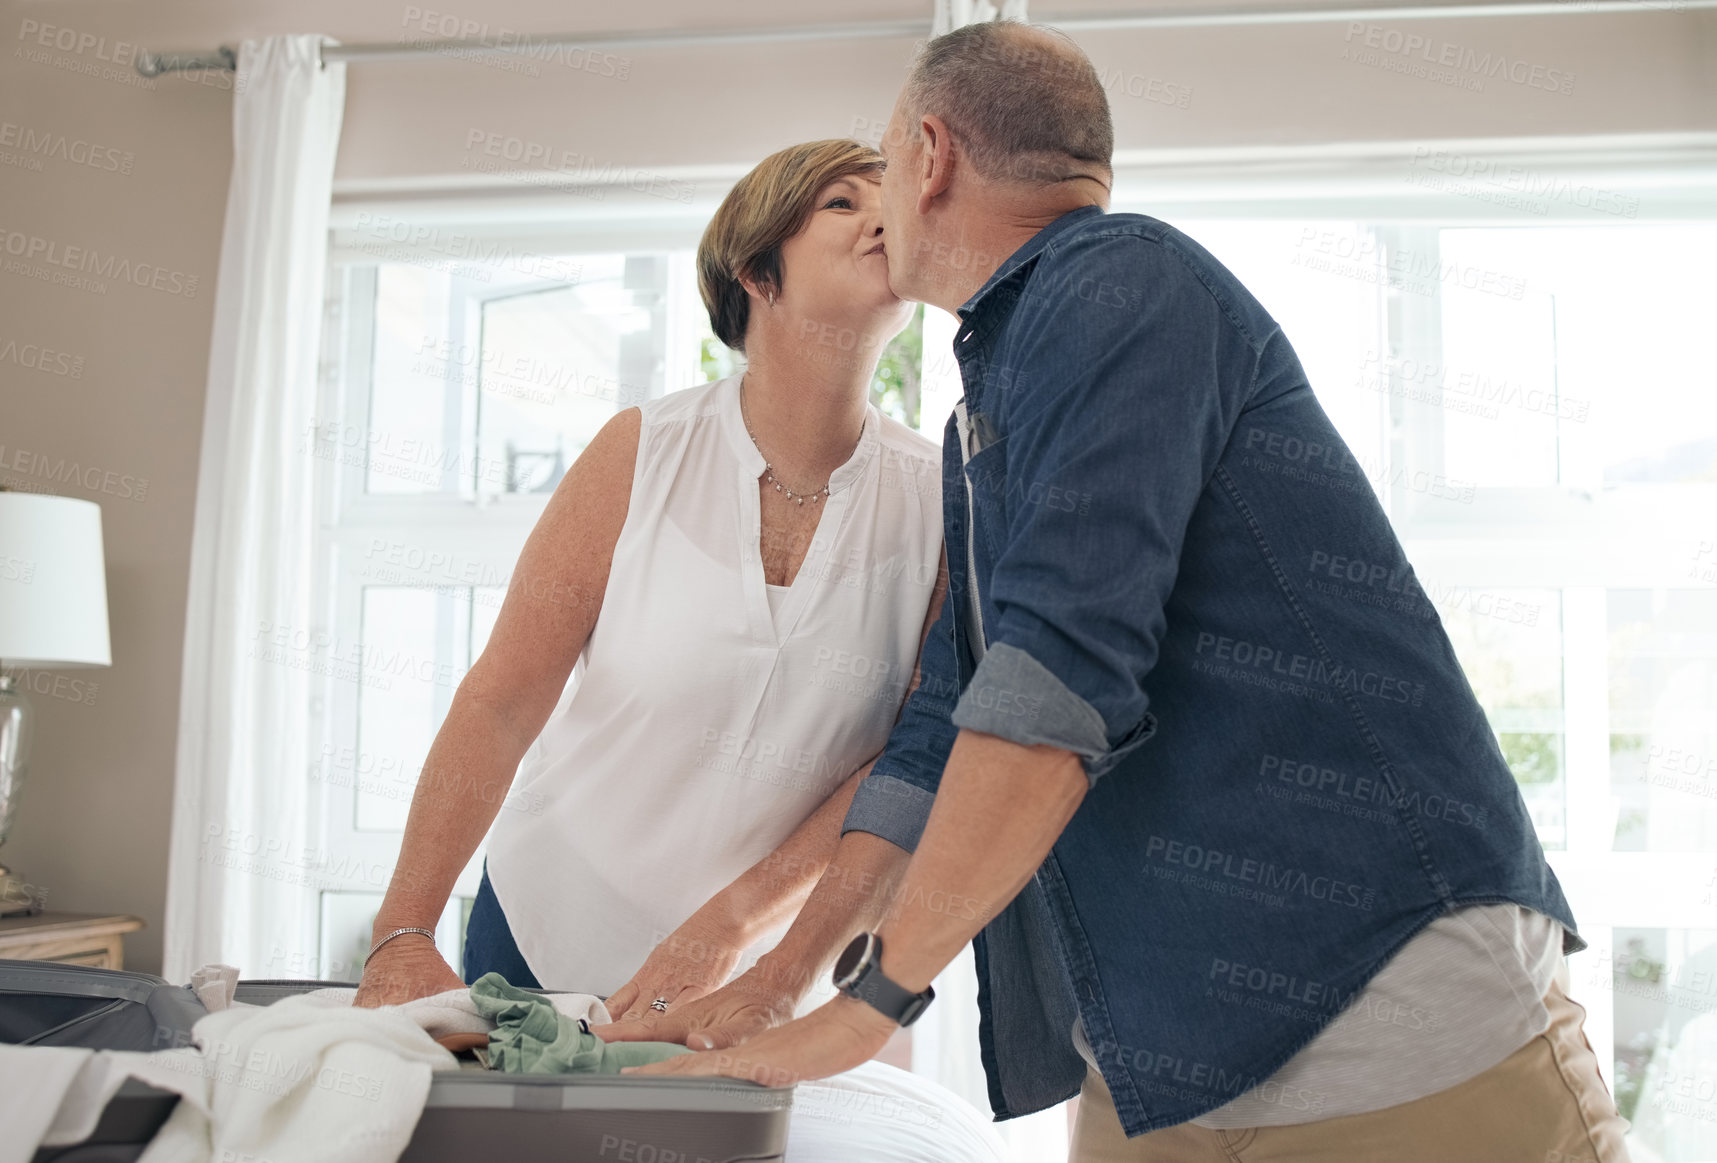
(75, 938)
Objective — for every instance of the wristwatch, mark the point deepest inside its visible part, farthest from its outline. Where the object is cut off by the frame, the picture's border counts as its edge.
(858, 974)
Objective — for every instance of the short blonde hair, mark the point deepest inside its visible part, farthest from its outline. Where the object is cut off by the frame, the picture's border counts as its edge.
(764, 209)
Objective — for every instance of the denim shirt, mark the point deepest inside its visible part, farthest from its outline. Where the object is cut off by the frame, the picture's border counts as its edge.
(1185, 578)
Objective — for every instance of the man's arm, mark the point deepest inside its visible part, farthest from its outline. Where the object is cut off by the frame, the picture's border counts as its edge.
(998, 812)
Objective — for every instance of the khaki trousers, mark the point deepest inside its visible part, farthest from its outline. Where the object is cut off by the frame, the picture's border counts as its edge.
(1545, 1103)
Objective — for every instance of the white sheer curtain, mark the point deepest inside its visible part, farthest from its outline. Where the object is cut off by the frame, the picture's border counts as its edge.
(236, 877)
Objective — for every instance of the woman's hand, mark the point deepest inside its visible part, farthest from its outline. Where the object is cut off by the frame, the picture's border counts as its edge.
(693, 960)
(405, 969)
(751, 1003)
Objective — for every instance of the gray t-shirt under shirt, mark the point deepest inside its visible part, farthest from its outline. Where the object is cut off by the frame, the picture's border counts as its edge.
(1463, 994)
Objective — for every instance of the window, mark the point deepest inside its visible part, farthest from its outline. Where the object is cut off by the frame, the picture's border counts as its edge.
(1529, 403)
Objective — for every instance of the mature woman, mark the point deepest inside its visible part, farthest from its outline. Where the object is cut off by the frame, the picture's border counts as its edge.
(738, 578)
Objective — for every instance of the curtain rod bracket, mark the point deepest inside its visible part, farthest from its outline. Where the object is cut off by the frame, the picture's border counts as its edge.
(151, 64)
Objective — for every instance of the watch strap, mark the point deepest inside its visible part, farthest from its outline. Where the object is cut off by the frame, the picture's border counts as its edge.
(888, 997)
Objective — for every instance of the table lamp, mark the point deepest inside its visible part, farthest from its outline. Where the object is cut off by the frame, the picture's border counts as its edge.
(53, 615)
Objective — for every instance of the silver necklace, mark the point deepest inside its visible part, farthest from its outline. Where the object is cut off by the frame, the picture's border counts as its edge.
(769, 470)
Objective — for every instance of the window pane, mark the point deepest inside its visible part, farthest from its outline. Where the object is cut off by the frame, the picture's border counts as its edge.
(558, 362)
(416, 394)
(417, 643)
(1499, 355)
(348, 919)
(494, 384)
(1509, 642)
(1664, 984)
(1663, 718)
(1571, 346)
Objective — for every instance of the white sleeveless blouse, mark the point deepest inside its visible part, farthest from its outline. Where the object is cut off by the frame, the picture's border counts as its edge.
(708, 716)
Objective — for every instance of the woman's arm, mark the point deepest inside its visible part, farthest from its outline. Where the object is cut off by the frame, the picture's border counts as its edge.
(552, 603)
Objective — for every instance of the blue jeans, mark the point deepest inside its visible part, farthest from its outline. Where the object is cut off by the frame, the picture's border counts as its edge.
(489, 944)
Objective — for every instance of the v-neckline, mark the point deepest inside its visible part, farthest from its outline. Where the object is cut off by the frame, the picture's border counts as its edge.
(769, 625)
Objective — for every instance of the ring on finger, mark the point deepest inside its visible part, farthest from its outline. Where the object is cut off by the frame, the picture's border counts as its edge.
(660, 1005)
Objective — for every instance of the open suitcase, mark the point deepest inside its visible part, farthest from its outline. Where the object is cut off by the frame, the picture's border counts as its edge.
(471, 1113)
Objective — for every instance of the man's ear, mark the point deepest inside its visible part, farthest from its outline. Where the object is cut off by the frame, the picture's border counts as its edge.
(936, 156)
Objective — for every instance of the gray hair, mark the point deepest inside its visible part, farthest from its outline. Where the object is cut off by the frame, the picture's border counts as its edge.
(1018, 108)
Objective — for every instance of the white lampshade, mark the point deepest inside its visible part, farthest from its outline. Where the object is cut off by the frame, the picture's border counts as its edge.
(53, 582)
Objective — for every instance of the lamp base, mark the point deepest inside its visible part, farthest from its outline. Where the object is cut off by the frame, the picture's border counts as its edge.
(17, 895)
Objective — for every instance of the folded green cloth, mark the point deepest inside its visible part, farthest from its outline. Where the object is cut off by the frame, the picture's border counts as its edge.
(532, 1037)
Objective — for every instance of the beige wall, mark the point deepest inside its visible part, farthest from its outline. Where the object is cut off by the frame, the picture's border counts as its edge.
(95, 816)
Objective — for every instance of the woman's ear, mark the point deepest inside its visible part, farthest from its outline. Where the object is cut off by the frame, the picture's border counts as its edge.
(752, 286)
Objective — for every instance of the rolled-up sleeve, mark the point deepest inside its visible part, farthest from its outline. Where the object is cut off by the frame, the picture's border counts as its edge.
(894, 800)
(1129, 377)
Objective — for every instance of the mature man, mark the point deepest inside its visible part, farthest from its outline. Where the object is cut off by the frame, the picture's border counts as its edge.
(1192, 762)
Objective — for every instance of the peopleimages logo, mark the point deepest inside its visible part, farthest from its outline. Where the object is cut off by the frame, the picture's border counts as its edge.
(533, 50)
(1238, 652)
(35, 466)
(1265, 874)
(1513, 185)
(1327, 787)
(57, 259)
(387, 229)
(59, 147)
(38, 358)
(1446, 61)
(56, 36)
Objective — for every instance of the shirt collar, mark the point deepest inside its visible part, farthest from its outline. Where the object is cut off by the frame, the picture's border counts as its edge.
(1027, 251)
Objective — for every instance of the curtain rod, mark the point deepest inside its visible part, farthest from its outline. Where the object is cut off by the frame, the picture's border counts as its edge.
(155, 64)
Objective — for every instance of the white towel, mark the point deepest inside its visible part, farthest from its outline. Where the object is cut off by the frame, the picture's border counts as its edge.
(214, 984)
(306, 1080)
(33, 1080)
(454, 1012)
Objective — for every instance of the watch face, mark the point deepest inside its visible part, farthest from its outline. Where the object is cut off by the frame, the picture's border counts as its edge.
(851, 958)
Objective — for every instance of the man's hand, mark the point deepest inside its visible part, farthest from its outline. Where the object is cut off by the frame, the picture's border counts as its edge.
(757, 1000)
(836, 1036)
